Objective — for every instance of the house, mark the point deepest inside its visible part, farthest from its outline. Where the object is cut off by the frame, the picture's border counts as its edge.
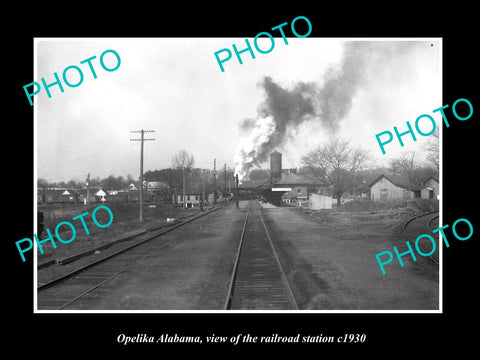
(393, 187)
(100, 194)
(130, 196)
(156, 186)
(95, 195)
(430, 189)
(191, 199)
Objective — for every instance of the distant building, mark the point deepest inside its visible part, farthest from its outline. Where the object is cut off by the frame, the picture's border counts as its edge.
(393, 187)
(191, 200)
(53, 196)
(95, 195)
(155, 186)
(430, 188)
(251, 189)
(129, 196)
(297, 189)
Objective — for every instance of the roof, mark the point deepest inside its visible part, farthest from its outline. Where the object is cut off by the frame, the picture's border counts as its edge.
(92, 191)
(294, 179)
(65, 192)
(156, 184)
(254, 183)
(397, 180)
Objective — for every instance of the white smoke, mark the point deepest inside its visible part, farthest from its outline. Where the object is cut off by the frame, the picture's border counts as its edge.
(250, 147)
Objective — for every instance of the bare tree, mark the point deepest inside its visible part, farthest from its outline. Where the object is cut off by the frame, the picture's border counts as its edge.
(433, 149)
(406, 164)
(336, 163)
(183, 161)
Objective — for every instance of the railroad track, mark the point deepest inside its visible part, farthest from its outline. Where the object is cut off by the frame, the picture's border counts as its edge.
(258, 280)
(65, 291)
(423, 224)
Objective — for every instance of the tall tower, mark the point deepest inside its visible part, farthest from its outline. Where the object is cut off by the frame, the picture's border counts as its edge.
(275, 167)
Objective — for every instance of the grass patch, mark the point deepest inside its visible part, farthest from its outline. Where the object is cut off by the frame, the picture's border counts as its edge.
(125, 219)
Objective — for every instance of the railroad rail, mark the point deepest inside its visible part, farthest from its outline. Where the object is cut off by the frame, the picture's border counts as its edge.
(61, 292)
(258, 281)
(423, 224)
(433, 223)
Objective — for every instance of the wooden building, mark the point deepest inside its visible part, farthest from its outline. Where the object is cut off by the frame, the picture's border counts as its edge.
(55, 196)
(191, 199)
(95, 194)
(430, 188)
(296, 189)
(393, 187)
(129, 196)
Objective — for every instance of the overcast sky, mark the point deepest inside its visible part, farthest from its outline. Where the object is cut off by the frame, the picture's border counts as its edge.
(175, 87)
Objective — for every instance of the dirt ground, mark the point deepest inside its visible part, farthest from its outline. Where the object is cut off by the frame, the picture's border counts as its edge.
(192, 271)
(345, 219)
(125, 220)
(330, 257)
(365, 218)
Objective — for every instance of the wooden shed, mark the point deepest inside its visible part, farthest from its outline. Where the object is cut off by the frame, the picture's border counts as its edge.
(430, 189)
(393, 187)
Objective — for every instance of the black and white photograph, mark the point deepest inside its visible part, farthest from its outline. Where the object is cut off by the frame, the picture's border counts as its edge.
(220, 179)
(168, 182)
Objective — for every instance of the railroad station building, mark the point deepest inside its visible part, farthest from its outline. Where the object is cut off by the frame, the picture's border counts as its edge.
(296, 189)
(287, 187)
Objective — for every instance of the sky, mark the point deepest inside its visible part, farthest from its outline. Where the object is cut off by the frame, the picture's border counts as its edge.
(175, 87)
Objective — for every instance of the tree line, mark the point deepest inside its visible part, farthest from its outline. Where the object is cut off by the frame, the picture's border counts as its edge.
(337, 163)
(182, 175)
(110, 182)
(345, 167)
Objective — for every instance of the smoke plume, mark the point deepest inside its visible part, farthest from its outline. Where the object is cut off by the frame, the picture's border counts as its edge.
(280, 110)
(283, 110)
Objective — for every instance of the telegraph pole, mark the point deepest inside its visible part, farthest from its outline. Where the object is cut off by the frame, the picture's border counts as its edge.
(203, 189)
(184, 202)
(142, 139)
(214, 182)
(225, 176)
(88, 189)
(236, 189)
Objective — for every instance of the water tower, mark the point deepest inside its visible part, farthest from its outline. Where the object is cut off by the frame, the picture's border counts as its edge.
(275, 166)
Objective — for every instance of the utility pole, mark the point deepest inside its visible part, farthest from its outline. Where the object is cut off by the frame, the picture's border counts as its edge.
(225, 177)
(87, 182)
(184, 203)
(203, 189)
(142, 139)
(236, 190)
(214, 182)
